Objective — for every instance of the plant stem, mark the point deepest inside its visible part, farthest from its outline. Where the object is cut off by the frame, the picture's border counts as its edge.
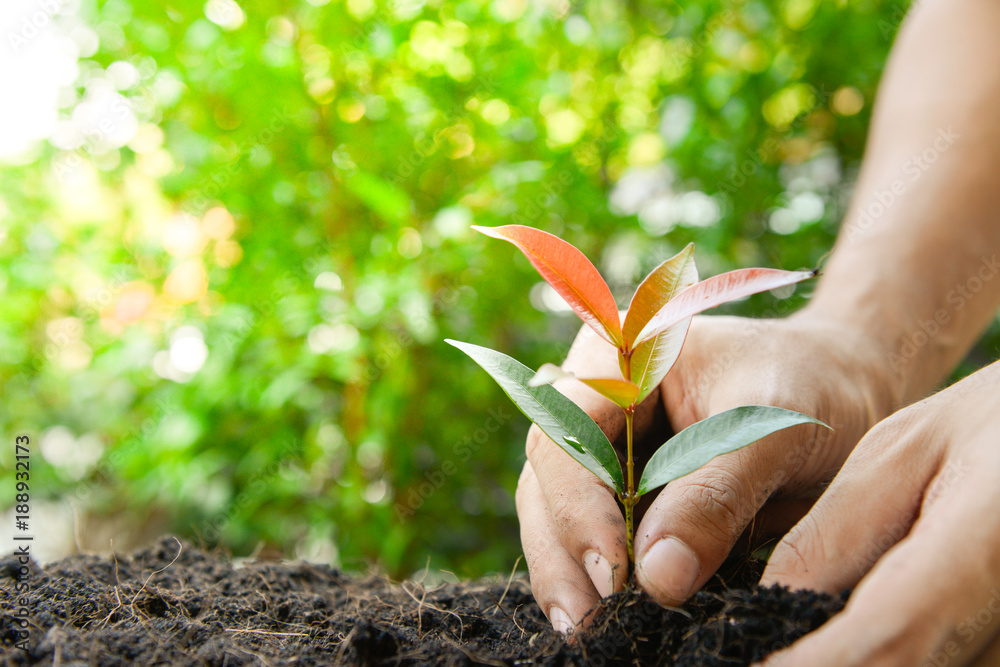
(629, 500)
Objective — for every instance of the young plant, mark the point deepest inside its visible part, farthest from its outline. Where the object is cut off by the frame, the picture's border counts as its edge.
(648, 340)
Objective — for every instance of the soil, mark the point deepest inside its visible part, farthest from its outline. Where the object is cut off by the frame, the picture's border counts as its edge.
(157, 608)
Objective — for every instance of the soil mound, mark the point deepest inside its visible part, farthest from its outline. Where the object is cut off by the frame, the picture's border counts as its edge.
(157, 608)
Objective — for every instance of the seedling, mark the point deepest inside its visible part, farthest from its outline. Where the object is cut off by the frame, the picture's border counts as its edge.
(649, 339)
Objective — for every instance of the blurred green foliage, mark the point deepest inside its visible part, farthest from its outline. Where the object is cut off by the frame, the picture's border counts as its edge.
(294, 199)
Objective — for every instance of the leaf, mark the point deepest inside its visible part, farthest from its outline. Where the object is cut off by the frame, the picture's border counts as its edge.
(570, 274)
(720, 434)
(715, 291)
(620, 392)
(559, 418)
(653, 359)
(660, 286)
(389, 201)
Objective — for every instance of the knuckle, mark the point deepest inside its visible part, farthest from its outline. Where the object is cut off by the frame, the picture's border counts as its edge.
(887, 440)
(883, 434)
(718, 503)
(564, 507)
(535, 444)
(574, 503)
(898, 426)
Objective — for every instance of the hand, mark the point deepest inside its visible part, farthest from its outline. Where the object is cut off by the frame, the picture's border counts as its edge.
(919, 496)
(572, 529)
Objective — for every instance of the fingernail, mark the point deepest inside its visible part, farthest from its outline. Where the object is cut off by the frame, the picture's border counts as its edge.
(560, 621)
(671, 568)
(600, 572)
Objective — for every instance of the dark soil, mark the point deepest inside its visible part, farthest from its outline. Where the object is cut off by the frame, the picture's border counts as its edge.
(201, 610)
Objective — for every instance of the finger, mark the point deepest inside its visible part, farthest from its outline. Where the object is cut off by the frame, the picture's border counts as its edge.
(694, 522)
(583, 514)
(587, 520)
(562, 588)
(868, 508)
(933, 599)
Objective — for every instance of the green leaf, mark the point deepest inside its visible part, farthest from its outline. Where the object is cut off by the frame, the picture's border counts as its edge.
(720, 434)
(389, 201)
(559, 418)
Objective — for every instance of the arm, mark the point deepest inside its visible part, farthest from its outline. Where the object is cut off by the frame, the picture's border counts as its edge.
(915, 263)
(910, 519)
(900, 303)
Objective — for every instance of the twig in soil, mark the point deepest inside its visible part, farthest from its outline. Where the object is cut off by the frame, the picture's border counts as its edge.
(117, 607)
(509, 617)
(76, 526)
(477, 659)
(427, 570)
(497, 603)
(421, 604)
(180, 548)
(399, 610)
(264, 579)
(117, 588)
(513, 619)
(345, 642)
(509, 580)
(260, 659)
(267, 632)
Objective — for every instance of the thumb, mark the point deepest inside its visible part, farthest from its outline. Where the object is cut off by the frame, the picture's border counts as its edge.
(693, 524)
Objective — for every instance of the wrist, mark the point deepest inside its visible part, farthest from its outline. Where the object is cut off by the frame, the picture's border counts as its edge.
(867, 351)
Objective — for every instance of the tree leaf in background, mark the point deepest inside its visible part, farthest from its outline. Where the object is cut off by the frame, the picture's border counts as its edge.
(385, 199)
(653, 359)
(715, 291)
(560, 419)
(570, 274)
(719, 434)
(620, 392)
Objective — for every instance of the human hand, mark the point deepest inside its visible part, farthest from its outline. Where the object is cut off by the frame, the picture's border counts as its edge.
(919, 495)
(572, 530)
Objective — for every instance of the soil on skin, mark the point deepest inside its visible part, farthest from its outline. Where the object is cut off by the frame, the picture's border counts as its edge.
(201, 610)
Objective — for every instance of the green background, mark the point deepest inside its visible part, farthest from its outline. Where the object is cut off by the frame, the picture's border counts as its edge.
(299, 190)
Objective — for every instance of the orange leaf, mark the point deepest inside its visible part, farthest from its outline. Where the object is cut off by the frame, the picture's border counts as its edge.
(653, 359)
(570, 274)
(620, 392)
(715, 291)
(677, 273)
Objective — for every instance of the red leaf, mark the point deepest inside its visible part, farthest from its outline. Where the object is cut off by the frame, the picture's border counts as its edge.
(716, 291)
(570, 273)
